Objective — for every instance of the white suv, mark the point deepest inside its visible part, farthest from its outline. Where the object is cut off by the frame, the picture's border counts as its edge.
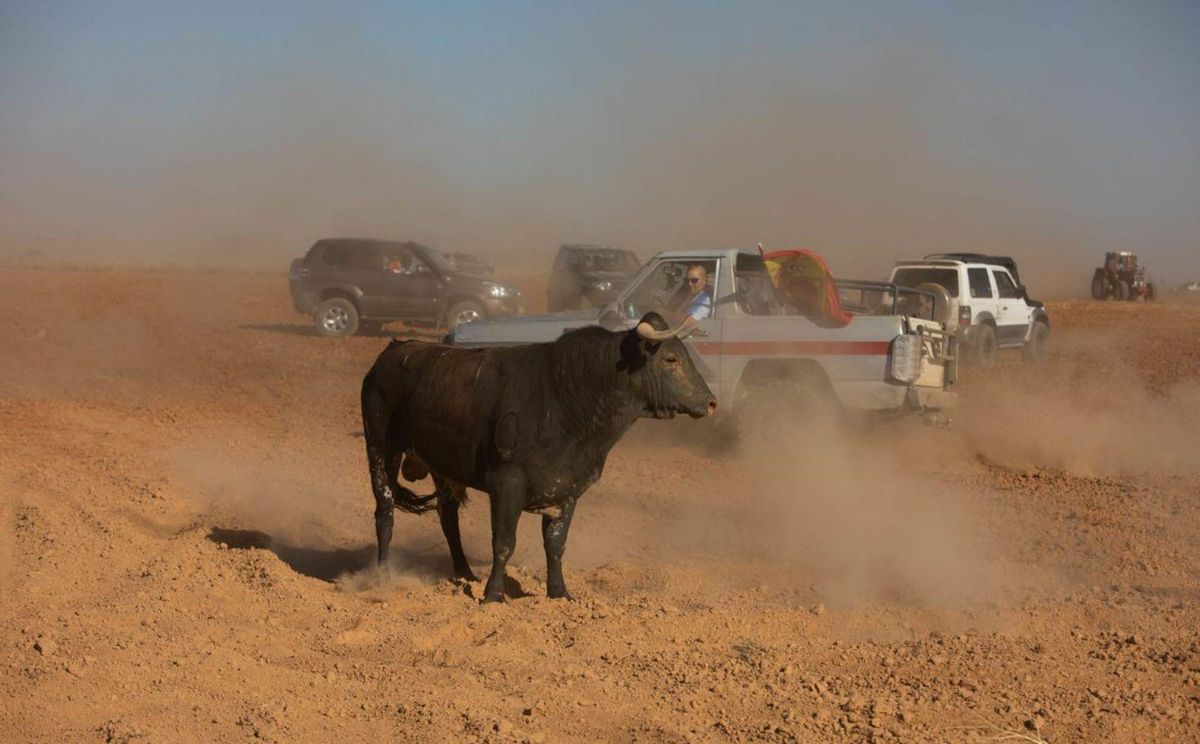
(989, 307)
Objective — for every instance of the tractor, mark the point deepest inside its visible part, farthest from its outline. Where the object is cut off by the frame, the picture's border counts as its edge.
(1121, 278)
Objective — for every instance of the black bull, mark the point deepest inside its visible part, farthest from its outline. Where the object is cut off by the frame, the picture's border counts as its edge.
(529, 425)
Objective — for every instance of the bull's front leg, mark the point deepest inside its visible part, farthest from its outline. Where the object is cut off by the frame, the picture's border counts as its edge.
(507, 504)
(554, 539)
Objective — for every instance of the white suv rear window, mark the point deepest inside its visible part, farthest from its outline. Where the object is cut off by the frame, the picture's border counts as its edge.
(911, 277)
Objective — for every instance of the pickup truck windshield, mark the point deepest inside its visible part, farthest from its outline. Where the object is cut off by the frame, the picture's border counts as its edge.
(917, 275)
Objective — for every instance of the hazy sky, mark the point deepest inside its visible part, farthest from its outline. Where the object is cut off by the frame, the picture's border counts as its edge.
(241, 132)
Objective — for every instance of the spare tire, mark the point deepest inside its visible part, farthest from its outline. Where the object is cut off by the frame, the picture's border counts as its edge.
(941, 301)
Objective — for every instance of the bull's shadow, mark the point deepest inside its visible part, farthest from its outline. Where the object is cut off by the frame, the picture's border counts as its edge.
(328, 565)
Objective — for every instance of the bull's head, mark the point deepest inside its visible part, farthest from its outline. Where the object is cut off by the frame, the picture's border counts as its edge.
(663, 372)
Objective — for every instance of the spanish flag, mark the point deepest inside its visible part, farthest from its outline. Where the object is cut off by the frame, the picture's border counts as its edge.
(802, 281)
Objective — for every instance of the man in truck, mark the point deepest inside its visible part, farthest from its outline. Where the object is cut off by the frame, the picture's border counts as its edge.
(699, 304)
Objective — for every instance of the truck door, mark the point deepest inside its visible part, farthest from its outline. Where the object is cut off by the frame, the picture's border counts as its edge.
(358, 266)
(982, 297)
(410, 286)
(1012, 319)
(667, 289)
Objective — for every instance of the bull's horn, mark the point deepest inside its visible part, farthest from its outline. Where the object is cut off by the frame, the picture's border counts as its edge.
(650, 333)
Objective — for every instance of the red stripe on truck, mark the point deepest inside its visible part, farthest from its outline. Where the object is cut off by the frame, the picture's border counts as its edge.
(794, 348)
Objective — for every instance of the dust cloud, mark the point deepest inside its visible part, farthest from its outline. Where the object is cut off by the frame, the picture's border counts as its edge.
(277, 500)
(282, 503)
(1088, 414)
(896, 512)
(847, 513)
(856, 511)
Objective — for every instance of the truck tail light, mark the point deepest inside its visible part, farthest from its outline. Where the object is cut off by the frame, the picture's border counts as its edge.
(964, 315)
(906, 357)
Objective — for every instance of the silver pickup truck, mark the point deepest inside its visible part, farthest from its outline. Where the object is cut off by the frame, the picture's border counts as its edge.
(881, 361)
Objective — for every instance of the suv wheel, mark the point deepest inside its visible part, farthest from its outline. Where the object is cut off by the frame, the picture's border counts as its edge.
(1039, 341)
(985, 346)
(337, 317)
(461, 313)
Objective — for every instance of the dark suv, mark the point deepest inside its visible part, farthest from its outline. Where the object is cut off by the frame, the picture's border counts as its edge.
(594, 274)
(346, 284)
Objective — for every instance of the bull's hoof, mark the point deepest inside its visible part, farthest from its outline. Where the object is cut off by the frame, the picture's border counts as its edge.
(490, 598)
(560, 594)
(466, 575)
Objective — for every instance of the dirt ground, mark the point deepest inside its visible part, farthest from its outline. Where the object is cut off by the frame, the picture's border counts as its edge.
(187, 540)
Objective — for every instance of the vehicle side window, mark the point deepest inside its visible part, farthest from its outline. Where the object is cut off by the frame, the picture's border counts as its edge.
(1005, 286)
(365, 258)
(352, 256)
(754, 292)
(981, 286)
(334, 255)
(399, 260)
(665, 290)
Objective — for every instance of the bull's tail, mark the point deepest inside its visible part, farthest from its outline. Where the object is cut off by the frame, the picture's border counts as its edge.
(410, 502)
(385, 446)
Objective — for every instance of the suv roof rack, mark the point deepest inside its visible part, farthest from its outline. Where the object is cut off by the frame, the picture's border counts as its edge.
(982, 258)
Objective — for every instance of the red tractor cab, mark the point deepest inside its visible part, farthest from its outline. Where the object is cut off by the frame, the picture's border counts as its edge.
(1121, 278)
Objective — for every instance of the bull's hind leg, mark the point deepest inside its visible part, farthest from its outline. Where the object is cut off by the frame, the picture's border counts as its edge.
(450, 496)
(508, 499)
(375, 421)
(554, 539)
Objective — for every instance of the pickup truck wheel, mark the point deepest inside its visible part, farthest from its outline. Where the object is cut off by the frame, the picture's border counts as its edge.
(769, 409)
(985, 346)
(461, 313)
(1039, 341)
(336, 317)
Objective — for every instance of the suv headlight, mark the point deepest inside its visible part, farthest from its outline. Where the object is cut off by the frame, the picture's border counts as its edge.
(602, 286)
(906, 357)
(500, 291)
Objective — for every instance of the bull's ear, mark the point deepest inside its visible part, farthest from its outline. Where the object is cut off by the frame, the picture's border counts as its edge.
(656, 321)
